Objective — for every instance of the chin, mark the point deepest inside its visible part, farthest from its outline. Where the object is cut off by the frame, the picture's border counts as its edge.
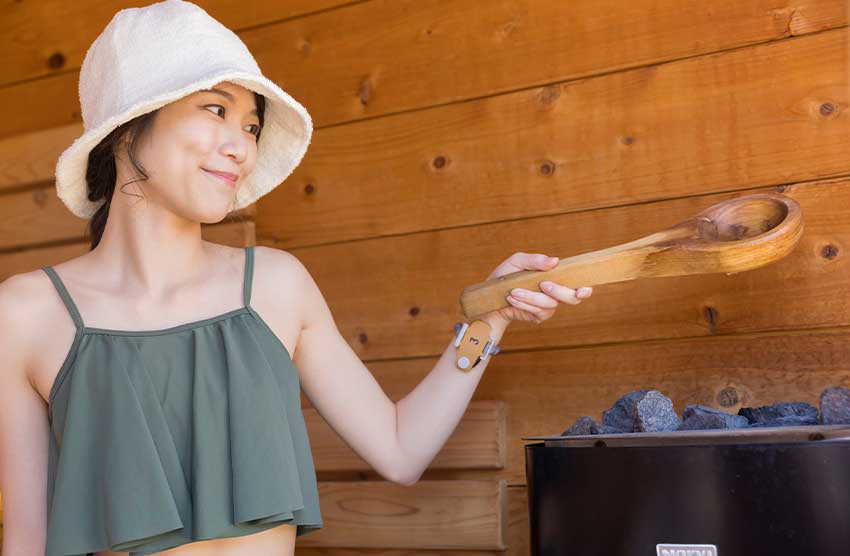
(218, 216)
(206, 215)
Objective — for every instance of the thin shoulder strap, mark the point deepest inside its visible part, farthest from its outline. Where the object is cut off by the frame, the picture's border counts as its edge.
(249, 275)
(66, 297)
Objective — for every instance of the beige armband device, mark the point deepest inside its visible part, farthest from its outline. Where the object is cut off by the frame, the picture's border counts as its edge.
(474, 343)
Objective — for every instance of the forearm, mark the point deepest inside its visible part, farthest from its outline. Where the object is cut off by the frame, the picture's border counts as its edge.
(429, 414)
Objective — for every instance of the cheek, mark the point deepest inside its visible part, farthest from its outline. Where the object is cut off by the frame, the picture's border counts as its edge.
(196, 136)
(188, 146)
(250, 159)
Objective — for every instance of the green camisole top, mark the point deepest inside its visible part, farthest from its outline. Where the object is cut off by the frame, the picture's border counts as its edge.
(160, 438)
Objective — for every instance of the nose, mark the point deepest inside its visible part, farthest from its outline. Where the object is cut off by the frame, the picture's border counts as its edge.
(236, 143)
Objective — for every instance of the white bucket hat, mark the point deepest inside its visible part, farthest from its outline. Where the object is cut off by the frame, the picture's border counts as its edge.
(150, 56)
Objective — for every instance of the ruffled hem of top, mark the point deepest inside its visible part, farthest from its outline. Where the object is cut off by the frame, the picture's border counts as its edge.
(120, 482)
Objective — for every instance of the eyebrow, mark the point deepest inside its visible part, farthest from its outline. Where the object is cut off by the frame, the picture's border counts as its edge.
(229, 97)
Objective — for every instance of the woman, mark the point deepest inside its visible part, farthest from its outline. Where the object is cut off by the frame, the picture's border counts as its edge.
(161, 413)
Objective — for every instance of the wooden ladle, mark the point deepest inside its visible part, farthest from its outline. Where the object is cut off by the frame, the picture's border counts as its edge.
(736, 235)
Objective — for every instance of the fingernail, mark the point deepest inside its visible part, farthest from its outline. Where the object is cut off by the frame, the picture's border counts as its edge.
(546, 285)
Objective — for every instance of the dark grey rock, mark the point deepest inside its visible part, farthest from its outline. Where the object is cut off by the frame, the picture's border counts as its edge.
(835, 406)
(776, 414)
(788, 421)
(587, 425)
(702, 417)
(621, 416)
(655, 413)
(583, 425)
(602, 428)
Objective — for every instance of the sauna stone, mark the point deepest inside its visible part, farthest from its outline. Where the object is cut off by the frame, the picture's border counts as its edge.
(781, 414)
(701, 417)
(835, 406)
(588, 425)
(621, 416)
(642, 411)
(788, 421)
(655, 413)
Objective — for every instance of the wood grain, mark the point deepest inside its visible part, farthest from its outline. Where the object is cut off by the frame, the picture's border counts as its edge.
(382, 57)
(715, 123)
(516, 537)
(36, 40)
(427, 515)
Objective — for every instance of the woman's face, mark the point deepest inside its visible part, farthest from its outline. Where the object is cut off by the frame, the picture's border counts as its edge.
(207, 131)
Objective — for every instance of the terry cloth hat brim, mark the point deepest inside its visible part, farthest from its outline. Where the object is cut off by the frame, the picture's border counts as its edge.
(287, 130)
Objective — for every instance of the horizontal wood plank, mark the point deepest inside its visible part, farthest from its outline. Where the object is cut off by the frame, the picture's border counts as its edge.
(468, 515)
(30, 158)
(710, 124)
(36, 40)
(516, 537)
(399, 55)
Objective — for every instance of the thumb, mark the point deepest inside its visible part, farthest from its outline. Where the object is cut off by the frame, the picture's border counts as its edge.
(541, 261)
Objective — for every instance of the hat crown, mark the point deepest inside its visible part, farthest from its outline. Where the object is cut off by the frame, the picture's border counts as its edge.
(150, 51)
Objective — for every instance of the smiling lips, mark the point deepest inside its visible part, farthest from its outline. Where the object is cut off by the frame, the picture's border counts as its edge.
(226, 177)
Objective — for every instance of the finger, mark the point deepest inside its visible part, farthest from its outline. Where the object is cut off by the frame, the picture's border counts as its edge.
(559, 292)
(546, 262)
(535, 311)
(535, 298)
(535, 261)
(584, 292)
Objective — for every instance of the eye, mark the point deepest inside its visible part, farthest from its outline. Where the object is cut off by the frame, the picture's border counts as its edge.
(216, 105)
(255, 133)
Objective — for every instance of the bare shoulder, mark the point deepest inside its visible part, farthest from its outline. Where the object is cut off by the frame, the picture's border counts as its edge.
(275, 292)
(283, 282)
(276, 271)
(23, 309)
(277, 261)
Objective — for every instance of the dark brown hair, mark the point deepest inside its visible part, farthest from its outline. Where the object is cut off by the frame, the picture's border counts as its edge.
(101, 172)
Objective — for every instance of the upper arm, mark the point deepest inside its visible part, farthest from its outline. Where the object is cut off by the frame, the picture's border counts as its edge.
(338, 384)
(24, 431)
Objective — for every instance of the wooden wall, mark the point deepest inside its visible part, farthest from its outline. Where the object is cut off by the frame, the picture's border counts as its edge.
(451, 134)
